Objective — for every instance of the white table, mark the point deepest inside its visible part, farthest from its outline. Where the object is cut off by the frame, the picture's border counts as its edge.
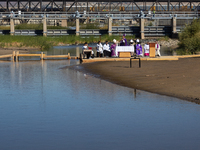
(124, 49)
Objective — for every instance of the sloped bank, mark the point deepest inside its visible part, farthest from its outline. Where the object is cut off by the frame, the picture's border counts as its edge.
(172, 78)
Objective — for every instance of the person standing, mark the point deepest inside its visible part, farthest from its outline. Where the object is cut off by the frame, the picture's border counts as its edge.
(138, 48)
(157, 48)
(131, 44)
(123, 41)
(146, 49)
(106, 49)
(99, 49)
(112, 48)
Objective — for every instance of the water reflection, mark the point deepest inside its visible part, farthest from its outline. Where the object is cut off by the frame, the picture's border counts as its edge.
(44, 107)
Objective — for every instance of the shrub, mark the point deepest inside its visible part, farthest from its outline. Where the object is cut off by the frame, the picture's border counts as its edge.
(190, 38)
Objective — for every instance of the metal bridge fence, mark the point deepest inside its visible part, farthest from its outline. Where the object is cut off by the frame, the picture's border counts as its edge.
(60, 16)
(149, 31)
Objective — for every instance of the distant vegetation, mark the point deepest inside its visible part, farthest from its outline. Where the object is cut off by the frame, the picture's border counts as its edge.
(165, 38)
(45, 43)
(4, 27)
(190, 39)
(36, 26)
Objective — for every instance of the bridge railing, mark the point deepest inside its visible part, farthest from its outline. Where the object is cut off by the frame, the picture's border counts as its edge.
(37, 15)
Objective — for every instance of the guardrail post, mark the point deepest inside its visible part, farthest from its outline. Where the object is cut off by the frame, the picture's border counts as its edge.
(17, 56)
(12, 27)
(69, 56)
(77, 27)
(44, 26)
(142, 28)
(13, 56)
(41, 57)
(109, 26)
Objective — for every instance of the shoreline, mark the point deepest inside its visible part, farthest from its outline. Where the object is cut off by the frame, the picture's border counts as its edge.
(178, 79)
(9, 50)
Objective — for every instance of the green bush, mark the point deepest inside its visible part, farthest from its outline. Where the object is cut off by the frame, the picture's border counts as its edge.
(165, 38)
(36, 26)
(190, 39)
(90, 26)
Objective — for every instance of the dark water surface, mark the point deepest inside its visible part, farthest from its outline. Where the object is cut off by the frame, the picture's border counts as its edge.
(43, 107)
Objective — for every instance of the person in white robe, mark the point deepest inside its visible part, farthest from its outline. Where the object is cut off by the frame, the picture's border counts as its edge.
(157, 48)
(99, 49)
(146, 49)
(106, 50)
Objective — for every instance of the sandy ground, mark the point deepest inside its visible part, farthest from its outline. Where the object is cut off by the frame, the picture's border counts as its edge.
(7, 51)
(179, 79)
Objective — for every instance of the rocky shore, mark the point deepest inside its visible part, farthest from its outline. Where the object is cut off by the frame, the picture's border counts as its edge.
(166, 43)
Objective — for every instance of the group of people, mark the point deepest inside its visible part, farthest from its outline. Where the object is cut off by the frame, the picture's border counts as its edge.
(110, 51)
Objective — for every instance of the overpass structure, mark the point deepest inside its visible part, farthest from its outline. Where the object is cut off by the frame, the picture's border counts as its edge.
(98, 5)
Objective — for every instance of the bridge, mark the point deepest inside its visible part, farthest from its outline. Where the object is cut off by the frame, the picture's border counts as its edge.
(98, 5)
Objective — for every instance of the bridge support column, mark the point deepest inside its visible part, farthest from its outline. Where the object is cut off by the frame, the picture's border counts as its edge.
(174, 32)
(12, 27)
(64, 23)
(142, 28)
(77, 27)
(109, 26)
(174, 25)
(45, 26)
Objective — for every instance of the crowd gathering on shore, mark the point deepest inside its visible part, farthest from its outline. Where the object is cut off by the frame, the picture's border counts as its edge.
(110, 51)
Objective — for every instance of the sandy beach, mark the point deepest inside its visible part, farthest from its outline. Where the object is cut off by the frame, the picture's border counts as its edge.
(179, 79)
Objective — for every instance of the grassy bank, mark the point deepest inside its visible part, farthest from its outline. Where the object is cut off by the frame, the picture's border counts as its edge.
(45, 43)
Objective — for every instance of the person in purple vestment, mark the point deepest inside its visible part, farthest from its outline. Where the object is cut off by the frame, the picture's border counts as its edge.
(123, 41)
(112, 48)
(138, 48)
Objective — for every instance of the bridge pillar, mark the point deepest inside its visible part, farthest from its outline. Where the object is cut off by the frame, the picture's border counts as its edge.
(45, 26)
(64, 23)
(174, 25)
(77, 27)
(174, 32)
(12, 27)
(109, 26)
(142, 28)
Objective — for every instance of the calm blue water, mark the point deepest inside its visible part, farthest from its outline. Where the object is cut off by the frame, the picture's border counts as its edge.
(43, 107)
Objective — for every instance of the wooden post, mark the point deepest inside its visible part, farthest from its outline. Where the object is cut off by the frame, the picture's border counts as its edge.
(142, 28)
(77, 27)
(45, 26)
(12, 26)
(69, 56)
(41, 57)
(13, 56)
(109, 26)
(17, 56)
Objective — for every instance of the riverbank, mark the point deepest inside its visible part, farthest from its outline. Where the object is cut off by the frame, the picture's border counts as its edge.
(7, 51)
(172, 78)
(45, 43)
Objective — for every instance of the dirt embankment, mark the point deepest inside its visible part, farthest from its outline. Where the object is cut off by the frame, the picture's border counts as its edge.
(179, 79)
